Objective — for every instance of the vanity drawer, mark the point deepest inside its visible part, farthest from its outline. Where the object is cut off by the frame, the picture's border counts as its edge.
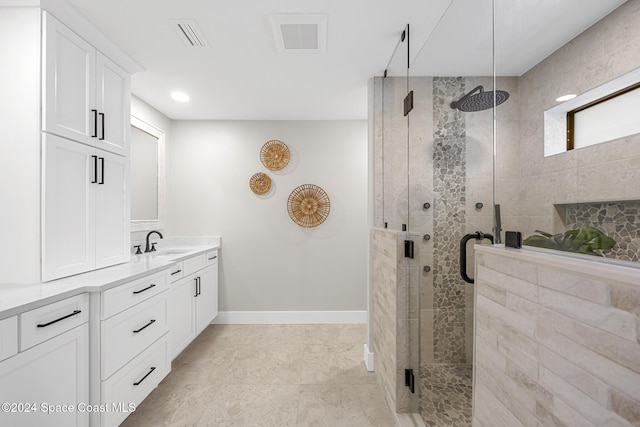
(177, 272)
(135, 380)
(130, 332)
(193, 264)
(122, 297)
(212, 257)
(8, 337)
(46, 322)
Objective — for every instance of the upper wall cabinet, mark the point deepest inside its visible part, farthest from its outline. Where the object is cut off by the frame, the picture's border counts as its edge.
(85, 95)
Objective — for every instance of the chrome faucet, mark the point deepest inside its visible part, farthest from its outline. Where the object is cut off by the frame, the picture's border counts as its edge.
(152, 248)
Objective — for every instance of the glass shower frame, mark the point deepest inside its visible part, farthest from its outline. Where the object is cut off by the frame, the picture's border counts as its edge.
(424, 197)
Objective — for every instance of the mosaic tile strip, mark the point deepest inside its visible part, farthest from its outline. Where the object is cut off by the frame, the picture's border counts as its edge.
(620, 220)
(445, 394)
(449, 220)
(447, 122)
(449, 336)
(445, 388)
(449, 217)
(449, 191)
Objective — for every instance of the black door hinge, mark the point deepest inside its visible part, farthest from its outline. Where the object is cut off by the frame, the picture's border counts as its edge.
(408, 103)
(410, 380)
(408, 249)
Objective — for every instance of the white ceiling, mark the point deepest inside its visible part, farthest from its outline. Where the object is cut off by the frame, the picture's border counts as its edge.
(242, 76)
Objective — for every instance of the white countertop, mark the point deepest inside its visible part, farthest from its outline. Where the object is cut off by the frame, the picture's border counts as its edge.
(15, 299)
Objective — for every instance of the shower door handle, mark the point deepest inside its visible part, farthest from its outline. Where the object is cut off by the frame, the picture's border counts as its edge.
(478, 235)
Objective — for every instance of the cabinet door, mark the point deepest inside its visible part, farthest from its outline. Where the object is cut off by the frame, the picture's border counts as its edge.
(55, 372)
(114, 106)
(182, 304)
(112, 210)
(207, 300)
(68, 83)
(68, 194)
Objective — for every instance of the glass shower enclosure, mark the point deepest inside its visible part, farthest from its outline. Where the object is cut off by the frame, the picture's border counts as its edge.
(435, 185)
(460, 157)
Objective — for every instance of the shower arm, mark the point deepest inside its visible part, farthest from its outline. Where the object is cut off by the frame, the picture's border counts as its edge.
(454, 104)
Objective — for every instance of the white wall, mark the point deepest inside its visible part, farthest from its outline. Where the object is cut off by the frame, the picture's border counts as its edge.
(269, 263)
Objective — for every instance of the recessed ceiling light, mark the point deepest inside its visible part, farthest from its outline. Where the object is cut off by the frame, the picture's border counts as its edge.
(180, 96)
(566, 97)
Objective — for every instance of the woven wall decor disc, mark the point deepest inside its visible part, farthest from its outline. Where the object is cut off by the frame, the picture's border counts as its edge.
(308, 205)
(275, 155)
(260, 183)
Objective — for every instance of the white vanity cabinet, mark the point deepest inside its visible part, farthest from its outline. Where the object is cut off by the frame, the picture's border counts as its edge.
(86, 96)
(194, 299)
(48, 379)
(85, 210)
(132, 334)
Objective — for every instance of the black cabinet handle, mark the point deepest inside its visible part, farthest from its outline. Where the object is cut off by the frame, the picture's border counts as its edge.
(176, 272)
(199, 286)
(153, 368)
(145, 289)
(95, 169)
(44, 325)
(197, 279)
(95, 123)
(145, 326)
(102, 118)
(102, 174)
(214, 257)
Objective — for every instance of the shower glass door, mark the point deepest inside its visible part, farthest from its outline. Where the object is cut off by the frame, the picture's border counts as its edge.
(451, 194)
(392, 176)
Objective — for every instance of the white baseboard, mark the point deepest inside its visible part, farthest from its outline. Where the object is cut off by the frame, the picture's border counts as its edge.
(368, 358)
(288, 317)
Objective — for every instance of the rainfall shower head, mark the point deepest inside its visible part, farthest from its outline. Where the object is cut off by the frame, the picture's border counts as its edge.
(479, 101)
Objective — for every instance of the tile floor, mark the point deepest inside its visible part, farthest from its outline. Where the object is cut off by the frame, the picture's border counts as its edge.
(269, 375)
(445, 394)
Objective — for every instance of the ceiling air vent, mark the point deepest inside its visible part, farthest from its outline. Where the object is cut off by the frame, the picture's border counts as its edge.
(190, 33)
(295, 33)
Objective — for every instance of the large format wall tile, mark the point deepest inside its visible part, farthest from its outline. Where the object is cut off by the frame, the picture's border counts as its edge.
(569, 358)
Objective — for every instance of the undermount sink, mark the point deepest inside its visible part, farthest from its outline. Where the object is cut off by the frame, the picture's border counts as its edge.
(171, 251)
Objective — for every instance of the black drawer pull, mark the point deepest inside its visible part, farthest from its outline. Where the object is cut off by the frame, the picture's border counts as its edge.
(102, 116)
(44, 325)
(176, 272)
(153, 368)
(95, 169)
(145, 326)
(145, 289)
(102, 175)
(214, 257)
(95, 123)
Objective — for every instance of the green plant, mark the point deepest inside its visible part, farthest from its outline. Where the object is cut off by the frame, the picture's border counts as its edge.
(584, 240)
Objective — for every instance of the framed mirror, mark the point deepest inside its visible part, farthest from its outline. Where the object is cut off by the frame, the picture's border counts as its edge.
(147, 176)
